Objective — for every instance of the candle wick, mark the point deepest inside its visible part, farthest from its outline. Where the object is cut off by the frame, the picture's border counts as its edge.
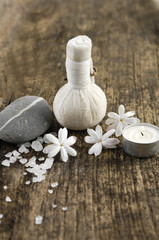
(142, 134)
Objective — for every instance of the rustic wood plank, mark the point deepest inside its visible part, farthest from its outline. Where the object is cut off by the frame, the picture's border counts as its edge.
(113, 196)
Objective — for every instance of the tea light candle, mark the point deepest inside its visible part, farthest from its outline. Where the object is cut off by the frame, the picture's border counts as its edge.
(141, 140)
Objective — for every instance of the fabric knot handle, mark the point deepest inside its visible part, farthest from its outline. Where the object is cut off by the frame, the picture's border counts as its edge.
(80, 74)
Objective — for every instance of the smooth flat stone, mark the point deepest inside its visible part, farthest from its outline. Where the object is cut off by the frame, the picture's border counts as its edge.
(25, 119)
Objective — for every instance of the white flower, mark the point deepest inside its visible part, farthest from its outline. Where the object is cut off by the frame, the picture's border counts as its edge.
(61, 144)
(121, 120)
(99, 140)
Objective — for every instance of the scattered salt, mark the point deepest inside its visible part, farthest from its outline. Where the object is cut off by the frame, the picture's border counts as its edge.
(32, 162)
(40, 139)
(5, 187)
(64, 208)
(12, 159)
(6, 163)
(1, 215)
(27, 144)
(54, 205)
(50, 191)
(47, 164)
(55, 184)
(39, 178)
(27, 182)
(38, 220)
(26, 151)
(37, 146)
(8, 199)
(31, 170)
(41, 159)
(23, 160)
(15, 153)
(23, 149)
(24, 173)
(8, 155)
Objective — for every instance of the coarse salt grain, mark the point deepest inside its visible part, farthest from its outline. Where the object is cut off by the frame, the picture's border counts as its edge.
(55, 184)
(27, 144)
(15, 153)
(1, 215)
(40, 139)
(64, 209)
(47, 164)
(27, 182)
(8, 199)
(41, 159)
(38, 179)
(12, 159)
(38, 219)
(8, 155)
(24, 173)
(23, 160)
(50, 191)
(6, 163)
(37, 146)
(32, 162)
(5, 187)
(23, 149)
(54, 205)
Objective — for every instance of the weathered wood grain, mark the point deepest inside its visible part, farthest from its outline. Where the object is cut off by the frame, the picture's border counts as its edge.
(113, 196)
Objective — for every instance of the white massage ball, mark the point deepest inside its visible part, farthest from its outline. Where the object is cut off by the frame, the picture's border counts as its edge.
(80, 103)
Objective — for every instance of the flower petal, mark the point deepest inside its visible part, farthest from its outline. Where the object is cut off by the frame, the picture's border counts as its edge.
(110, 146)
(48, 148)
(51, 138)
(92, 133)
(62, 135)
(71, 151)
(113, 115)
(121, 111)
(119, 129)
(113, 126)
(129, 114)
(90, 140)
(91, 150)
(110, 142)
(131, 120)
(99, 131)
(96, 149)
(64, 154)
(124, 124)
(70, 141)
(54, 152)
(111, 120)
(108, 134)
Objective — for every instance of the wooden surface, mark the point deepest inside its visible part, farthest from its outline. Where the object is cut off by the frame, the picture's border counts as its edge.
(113, 196)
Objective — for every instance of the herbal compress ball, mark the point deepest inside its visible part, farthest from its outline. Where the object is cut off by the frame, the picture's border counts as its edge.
(80, 103)
(25, 119)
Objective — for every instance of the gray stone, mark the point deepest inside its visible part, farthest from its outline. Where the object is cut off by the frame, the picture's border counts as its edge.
(25, 119)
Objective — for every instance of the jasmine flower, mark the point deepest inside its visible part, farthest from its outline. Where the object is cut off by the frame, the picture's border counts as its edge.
(61, 144)
(99, 140)
(121, 120)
